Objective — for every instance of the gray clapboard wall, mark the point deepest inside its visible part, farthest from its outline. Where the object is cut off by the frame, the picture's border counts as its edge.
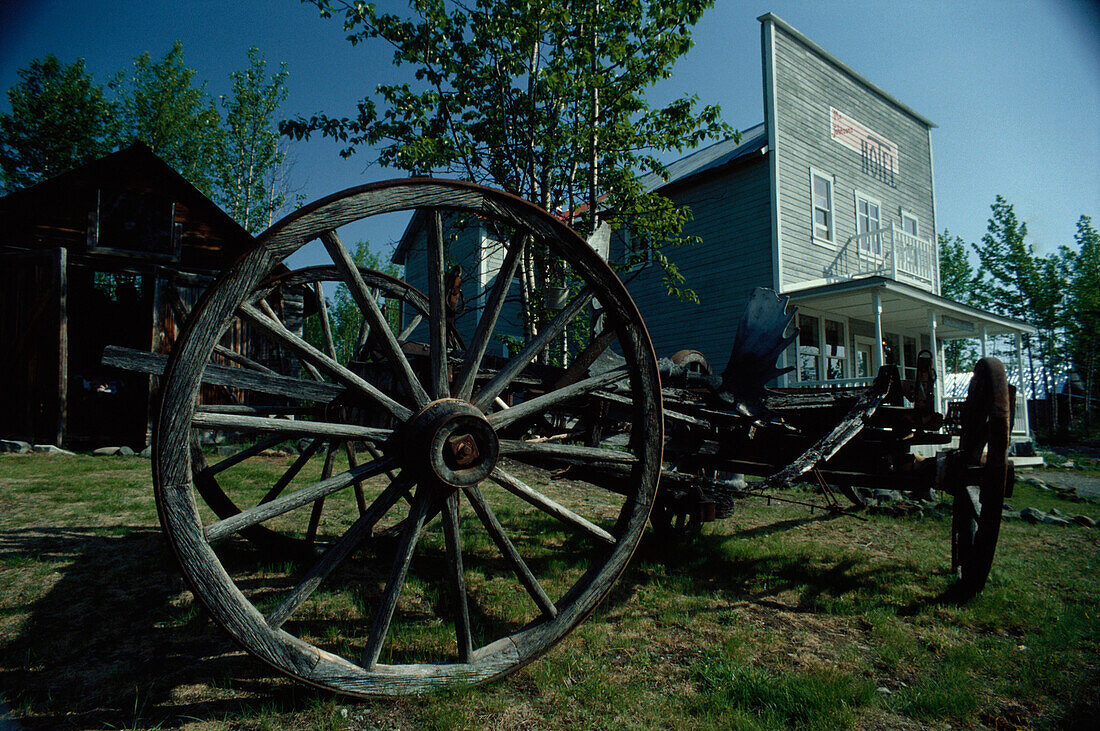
(467, 243)
(731, 215)
(807, 83)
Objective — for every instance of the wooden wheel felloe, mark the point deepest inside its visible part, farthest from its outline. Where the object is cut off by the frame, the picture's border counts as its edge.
(450, 553)
(976, 512)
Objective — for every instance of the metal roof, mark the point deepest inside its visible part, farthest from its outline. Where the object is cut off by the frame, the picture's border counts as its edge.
(711, 157)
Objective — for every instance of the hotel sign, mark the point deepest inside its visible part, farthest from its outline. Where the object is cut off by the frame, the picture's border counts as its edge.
(878, 155)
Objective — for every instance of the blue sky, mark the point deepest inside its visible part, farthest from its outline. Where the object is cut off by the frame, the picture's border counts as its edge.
(1013, 85)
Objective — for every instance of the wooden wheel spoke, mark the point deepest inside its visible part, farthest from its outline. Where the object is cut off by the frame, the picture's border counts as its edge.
(539, 404)
(508, 550)
(364, 329)
(353, 462)
(359, 292)
(242, 360)
(437, 308)
(288, 427)
(380, 625)
(322, 313)
(319, 505)
(220, 375)
(296, 499)
(344, 375)
(487, 324)
(453, 538)
(182, 312)
(520, 361)
(244, 454)
(408, 331)
(338, 551)
(292, 471)
(565, 453)
(523, 491)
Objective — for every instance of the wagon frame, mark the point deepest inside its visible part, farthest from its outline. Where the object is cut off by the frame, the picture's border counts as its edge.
(446, 421)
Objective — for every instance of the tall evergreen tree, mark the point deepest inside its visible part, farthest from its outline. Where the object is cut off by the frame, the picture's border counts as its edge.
(162, 107)
(59, 119)
(1012, 280)
(1083, 312)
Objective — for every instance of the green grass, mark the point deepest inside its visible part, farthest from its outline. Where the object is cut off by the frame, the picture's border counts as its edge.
(773, 619)
(742, 695)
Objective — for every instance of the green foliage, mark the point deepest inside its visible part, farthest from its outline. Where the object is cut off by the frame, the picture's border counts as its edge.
(545, 99)
(344, 314)
(752, 697)
(956, 282)
(163, 108)
(250, 154)
(1012, 280)
(59, 119)
(1083, 311)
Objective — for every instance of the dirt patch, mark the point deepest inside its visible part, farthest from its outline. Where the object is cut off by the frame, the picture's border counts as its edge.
(1086, 485)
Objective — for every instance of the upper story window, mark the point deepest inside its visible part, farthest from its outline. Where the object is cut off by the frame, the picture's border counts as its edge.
(821, 189)
(868, 221)
(909, 223)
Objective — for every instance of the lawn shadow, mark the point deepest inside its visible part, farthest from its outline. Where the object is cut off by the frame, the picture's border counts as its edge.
(706, 568)
(112, 642)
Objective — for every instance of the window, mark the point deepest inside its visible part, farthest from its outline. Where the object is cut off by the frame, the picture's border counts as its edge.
(909, 354)
(821, 348)
(863, 366)
(909, 223)
(868, 221)
(834, 349)
(822, 196)
(809, 350)
(891, 349)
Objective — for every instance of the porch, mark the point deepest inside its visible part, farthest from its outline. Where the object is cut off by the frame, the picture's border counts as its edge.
(848, 329)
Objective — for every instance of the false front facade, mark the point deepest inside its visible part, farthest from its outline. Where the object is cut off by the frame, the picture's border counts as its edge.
(831, 202)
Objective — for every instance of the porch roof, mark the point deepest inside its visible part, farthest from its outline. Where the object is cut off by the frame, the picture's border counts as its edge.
(905, 307)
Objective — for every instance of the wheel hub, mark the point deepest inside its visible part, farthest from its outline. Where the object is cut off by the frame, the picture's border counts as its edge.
(451, 444)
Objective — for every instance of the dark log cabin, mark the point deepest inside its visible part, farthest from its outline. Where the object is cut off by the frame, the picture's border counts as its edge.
(116, 251)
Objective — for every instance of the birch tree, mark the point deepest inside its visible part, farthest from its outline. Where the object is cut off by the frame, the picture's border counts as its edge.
(543, 98)
(252, 160)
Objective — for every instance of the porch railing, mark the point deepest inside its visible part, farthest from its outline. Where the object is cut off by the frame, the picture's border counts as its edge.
(888, 252)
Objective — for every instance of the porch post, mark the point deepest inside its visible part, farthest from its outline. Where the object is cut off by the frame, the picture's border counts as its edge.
(985, 339)
(1023, 390)
(876, 307)
(893, 252)
(937, 392)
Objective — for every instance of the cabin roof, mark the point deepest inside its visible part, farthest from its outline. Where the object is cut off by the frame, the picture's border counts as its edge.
(709, 158)
(133, 166)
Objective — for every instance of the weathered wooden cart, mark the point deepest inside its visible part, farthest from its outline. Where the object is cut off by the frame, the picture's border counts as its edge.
(339, 578)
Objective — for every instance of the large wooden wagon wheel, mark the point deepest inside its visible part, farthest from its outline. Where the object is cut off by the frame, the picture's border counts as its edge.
(464, 559)
(976, 512)
(393, 295)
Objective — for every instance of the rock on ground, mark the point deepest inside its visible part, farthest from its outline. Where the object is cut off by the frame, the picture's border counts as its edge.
(52, 449)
